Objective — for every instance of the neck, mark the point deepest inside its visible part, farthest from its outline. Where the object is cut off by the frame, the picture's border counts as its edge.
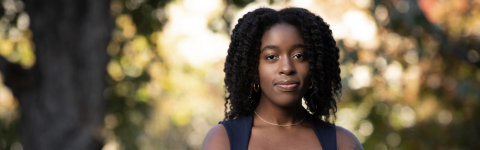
(282, 115)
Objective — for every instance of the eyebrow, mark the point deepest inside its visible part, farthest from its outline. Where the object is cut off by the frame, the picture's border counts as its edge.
(299, 46)
(276, 47)
(269, 47)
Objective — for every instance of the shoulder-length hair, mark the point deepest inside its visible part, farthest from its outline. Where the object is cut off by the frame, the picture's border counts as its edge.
(241, 65)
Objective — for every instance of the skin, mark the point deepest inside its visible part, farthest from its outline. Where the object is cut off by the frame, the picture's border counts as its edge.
(283, 73)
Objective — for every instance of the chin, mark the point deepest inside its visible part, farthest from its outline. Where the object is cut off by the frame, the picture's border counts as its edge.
(287, 101)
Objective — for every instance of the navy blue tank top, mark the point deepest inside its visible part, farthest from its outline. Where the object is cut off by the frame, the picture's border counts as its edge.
(239, 131)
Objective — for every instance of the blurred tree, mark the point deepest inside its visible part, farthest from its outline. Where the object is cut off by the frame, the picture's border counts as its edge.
(407, 19)
(444, 48)
(60, 97)
(132, 51)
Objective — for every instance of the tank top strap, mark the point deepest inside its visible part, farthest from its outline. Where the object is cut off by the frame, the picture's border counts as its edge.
(326, 134)
(239, 131)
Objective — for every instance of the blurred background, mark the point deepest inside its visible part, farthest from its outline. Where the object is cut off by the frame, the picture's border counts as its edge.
(148, 74)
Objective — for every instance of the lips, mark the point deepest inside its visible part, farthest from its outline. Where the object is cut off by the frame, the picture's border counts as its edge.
(287, 85)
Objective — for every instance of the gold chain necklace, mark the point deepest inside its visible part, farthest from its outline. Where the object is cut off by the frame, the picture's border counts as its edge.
(279, 124)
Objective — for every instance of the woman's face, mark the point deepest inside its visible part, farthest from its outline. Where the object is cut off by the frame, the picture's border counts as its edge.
(283, 68)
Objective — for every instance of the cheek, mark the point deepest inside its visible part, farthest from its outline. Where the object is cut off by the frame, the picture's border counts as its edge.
(266, 74)
(303, 69)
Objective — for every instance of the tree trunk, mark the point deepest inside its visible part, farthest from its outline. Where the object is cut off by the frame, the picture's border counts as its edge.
(61, 97)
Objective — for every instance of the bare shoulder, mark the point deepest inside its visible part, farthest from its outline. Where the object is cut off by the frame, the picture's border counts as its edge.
(216, 139)
(346, 140)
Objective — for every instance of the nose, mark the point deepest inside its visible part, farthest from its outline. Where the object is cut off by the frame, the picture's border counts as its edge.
(286, 66)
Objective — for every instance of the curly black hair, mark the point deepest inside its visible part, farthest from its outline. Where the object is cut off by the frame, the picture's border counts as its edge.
(241, 65)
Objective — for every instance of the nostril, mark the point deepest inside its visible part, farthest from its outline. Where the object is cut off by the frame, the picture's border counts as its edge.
(292, 72)
(288, 71)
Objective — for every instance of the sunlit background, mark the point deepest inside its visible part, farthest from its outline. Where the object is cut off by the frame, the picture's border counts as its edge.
(404, 85)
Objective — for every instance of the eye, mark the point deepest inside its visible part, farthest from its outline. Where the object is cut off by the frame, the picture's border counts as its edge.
(271, 57)
(298, 56)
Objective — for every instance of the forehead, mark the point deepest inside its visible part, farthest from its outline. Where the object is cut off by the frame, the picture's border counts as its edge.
(282, 34)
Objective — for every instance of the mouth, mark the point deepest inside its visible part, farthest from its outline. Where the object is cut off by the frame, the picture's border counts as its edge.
(287, 85)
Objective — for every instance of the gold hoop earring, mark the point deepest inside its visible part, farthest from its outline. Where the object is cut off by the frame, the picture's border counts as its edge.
(311, 86)
(256, 87)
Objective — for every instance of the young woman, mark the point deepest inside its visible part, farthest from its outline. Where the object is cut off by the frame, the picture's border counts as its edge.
(275, 59)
